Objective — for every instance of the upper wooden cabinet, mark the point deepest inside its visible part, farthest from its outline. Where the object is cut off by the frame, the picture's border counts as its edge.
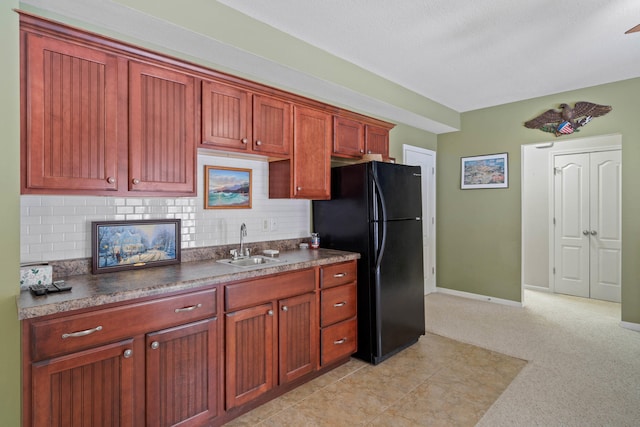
(102, 117)
(226, 117)
(348, 138)
(235, 119)
(353, 138)
(271, 125)
(162, 148)
(70, 129)
(77, 138)
(307, 175)
(376, 140)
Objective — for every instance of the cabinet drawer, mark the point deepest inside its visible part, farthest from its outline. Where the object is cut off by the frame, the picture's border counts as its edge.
(258, 291)
(338, 303)
(338, 274)
(71, 333)
(338, 341)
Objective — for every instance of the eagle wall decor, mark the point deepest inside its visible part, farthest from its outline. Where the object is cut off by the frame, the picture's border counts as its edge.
(567, 120)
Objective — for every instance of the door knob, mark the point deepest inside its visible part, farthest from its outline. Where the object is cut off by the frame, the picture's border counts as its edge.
(585, 232)
(594, 232)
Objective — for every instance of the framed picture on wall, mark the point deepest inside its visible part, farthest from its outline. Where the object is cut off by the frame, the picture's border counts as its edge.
(227, 188)
(129, 245)
(486, 171)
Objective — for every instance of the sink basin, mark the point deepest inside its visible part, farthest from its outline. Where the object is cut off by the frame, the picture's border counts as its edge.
(253, 261)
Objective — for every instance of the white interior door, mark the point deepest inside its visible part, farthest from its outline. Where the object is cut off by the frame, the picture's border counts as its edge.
(587, 212)
(426, 159)
(606, 228)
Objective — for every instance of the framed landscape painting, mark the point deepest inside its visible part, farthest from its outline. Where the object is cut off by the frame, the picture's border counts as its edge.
(128, 245)
(227, 188)
(488, 171)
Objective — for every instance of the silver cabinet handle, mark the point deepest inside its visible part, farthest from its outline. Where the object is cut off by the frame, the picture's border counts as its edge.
(338, 275)
(585, 232)
(258, 142)
(135, 181)
(361, 151)
(111, 180)
(128, 353)
(594, 232)
(285, 308)
(244, 140)
(299, 188)
(155, 345)
(190, 308)
(342, 341)
(340, 304)
(270, 312)
(81, 333)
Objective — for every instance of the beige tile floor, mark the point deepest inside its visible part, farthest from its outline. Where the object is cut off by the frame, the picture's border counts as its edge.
(435, 382)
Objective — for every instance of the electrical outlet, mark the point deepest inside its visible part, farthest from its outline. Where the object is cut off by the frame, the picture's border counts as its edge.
(265, 224)
(274, 224)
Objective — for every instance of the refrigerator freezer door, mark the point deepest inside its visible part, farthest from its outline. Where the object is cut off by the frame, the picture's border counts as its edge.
(400, 186)
(399, 288)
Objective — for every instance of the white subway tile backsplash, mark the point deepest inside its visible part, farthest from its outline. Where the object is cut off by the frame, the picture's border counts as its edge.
(59, 227)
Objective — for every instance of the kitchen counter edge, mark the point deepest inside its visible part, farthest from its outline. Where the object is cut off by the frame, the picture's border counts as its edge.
(95, 290)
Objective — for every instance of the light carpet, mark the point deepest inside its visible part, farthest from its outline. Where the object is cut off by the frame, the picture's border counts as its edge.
(583, 370)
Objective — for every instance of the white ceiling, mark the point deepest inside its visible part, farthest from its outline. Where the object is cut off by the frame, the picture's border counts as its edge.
(469, 54)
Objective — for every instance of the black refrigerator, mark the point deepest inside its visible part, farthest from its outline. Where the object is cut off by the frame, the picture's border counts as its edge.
(376, 210)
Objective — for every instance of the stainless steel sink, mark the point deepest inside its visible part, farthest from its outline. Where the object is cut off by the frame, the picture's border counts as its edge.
(253, 261)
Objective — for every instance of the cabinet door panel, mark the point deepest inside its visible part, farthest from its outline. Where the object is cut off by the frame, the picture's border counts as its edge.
(93, 387)
(162, 145)
(182, 381)
(249, 353)
(226, 116)
(376, 141)
(271, 126)
(348, 139)
(298, 337)
(71, 105)
(312, 154)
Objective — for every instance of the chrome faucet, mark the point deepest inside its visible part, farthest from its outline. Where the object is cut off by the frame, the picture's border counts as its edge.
(243, 234)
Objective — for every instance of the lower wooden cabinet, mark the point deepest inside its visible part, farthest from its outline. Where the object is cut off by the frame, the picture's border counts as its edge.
(338, 334)
(181, 374)
(172, 361)
(91, 387)
(110, 367)
(269, 344)
(249, 354)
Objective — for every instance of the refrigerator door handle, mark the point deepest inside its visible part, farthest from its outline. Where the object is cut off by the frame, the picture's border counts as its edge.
(381, 223)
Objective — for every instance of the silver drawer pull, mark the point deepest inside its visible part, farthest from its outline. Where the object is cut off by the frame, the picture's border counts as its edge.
(342, 341)
(340, 304)
(81, 333)
(338, 275)
(190, 308)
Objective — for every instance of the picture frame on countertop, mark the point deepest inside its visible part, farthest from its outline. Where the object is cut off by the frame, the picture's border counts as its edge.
(131, 245)
(227, 188)
(486, 171)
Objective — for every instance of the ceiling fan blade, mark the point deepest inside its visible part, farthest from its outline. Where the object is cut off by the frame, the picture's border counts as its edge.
(633, 30)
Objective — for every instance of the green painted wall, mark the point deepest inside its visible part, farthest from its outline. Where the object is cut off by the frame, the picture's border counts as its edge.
(403, 134)
(9, 216)
(479, 231)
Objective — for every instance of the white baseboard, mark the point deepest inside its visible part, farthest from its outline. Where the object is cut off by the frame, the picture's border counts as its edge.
(479, 297)
(630, 325)
(537, 288)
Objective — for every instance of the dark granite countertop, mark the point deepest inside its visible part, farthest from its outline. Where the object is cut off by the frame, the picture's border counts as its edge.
(95, 290)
